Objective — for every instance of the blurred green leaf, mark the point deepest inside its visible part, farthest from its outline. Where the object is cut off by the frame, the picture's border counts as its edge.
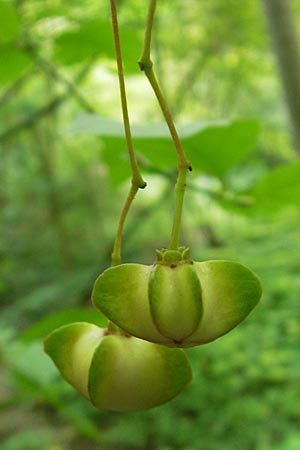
(89, 39)
(61, 293)
(23, 358)
(33, 439)
(13, 62)
(45, 326)
(9, 23)
(95, 37)
(117, 161)
(278, 189)
(213, 148)
(219, 148)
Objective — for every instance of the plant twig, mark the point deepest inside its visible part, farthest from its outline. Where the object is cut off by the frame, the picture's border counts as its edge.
(41, 112)
(51, 70)
(29, 46)
(34, 118)
(14, 88)
(137, 181)
(146, 65)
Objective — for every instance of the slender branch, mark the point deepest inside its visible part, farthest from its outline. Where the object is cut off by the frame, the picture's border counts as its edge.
(146, 65)
(15, 87)
(160, 69)
(136, 176)
(31, 120)
(116, 254)
(184, 165)
(51, 70)
(148, 35)
(137, 181)
(42, 112)
(29, 46)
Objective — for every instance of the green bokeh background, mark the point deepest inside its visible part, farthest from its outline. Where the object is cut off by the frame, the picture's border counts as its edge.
(65, 174)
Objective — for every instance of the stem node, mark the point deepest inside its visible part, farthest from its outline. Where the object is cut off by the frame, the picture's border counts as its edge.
(145, 65)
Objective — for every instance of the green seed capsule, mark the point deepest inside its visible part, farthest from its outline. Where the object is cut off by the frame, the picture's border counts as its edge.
(177, 302)
(117, 372)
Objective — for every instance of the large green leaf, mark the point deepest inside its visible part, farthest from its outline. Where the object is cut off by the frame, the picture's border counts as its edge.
(9, 23)
(213, 147)
(13, 62)
(117, 161)
(95, 37)
(220, 147)
(278, 189)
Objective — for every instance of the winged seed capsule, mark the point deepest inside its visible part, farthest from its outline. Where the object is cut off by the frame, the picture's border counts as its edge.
(177, 301)
(115, 371)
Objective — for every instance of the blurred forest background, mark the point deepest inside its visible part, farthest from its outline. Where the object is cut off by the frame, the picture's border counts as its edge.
(231, 73)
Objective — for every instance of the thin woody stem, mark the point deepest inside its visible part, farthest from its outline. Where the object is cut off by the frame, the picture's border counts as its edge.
(116, 254)
(146, 65)
(136, 176)
(137, 181)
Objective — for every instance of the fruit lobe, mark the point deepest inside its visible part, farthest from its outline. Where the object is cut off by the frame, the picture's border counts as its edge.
(175, 292)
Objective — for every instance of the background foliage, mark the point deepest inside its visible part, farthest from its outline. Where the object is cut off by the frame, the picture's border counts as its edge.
(64, 174)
